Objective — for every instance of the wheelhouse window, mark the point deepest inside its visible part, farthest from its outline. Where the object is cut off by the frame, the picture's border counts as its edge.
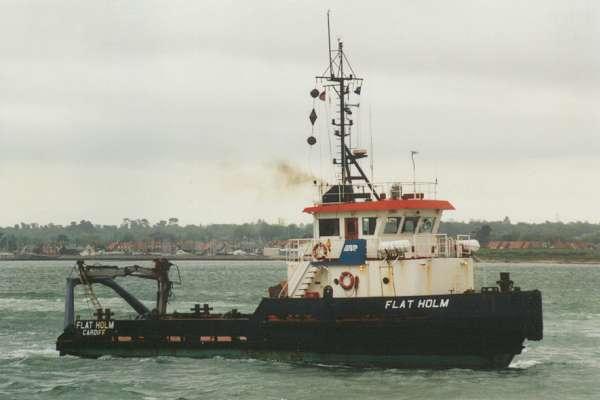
(410, 224)
(427, 225)
(391, 225)
(368, 225)
(329, 227)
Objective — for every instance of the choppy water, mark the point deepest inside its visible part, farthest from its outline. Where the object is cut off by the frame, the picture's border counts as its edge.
(565, 365)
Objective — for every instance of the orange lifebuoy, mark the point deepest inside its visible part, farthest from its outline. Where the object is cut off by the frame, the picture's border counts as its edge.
(344, 283)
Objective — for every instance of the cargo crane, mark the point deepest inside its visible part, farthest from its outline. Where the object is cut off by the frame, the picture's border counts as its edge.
(88, 275)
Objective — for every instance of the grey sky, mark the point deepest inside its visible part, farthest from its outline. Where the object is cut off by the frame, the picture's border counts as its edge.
(155, 109)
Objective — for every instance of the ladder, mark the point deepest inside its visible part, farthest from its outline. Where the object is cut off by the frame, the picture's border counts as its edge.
(89, 291)
(306, 280)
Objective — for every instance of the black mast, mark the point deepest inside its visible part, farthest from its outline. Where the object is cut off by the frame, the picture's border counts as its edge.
(341, 83)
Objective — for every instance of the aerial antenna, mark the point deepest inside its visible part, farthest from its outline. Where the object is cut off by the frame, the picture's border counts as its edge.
(371, 137)
(412, 157)
(329, 44)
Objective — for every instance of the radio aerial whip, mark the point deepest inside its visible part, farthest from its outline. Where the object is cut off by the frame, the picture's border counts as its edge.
(412, 157)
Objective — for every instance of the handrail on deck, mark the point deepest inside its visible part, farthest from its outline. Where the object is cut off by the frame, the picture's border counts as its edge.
(437, 245)
(391, 190)
(299, 249)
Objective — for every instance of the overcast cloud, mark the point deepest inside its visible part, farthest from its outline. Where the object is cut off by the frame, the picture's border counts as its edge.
(115, 109)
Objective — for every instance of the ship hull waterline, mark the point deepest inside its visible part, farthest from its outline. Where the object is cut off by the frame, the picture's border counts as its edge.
(477, 330)
(497, 361)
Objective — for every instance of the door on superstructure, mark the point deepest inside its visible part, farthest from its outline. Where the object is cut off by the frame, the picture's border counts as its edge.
(351, 228)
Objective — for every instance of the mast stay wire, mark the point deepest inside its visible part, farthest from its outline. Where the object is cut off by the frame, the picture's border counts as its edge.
(371, 155)
(327, 119)
(331, 68)
(358, 126)
(334, 63)
(320, 136)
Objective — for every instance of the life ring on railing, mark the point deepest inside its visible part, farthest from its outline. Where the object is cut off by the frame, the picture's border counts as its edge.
(347, 280)
(320, 251)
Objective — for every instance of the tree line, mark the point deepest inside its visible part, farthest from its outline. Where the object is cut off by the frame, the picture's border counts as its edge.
(504, 230)
(84, 232)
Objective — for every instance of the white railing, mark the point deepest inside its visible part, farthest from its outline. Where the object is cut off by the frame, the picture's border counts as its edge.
(299, 250)
(431, 246)
(389, 190)
(421, 245)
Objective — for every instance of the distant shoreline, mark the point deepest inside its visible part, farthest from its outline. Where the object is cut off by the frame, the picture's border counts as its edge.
(564, 256)
(144, 258)
(540, 261)
(495, 259)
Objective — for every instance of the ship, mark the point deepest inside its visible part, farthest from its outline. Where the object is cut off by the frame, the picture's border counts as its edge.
(376, 285)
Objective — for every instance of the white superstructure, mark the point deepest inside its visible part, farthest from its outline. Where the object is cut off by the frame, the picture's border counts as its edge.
(388, 247)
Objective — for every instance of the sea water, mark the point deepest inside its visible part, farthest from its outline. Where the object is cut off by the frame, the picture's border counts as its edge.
(565, 365)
